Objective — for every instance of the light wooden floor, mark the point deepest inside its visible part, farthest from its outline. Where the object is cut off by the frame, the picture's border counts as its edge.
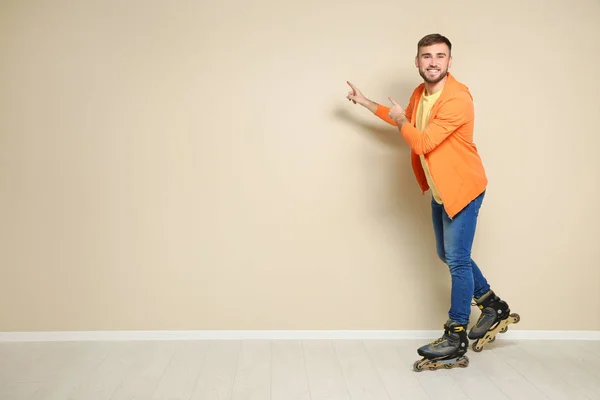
(293, 370)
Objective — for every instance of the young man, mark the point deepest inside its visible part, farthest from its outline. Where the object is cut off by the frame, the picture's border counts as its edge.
(438, 126)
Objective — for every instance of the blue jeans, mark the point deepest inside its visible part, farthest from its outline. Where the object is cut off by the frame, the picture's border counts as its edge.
(454, 239)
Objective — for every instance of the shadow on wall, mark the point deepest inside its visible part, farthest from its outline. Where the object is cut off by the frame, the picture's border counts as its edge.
(410, 212)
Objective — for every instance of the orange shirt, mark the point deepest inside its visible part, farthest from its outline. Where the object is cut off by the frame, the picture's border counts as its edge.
(447, 145)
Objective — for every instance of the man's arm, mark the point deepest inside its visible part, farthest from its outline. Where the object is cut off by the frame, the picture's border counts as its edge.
(383, 112)
(454, 113)
(370, 105)
(356, 96)
(379, 110)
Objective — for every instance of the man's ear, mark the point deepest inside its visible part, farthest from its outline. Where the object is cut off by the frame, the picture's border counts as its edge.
(417, 61)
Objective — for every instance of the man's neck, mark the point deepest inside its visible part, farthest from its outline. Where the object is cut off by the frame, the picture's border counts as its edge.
(433, 88)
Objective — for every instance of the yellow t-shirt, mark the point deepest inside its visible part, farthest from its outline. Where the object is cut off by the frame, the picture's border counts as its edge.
(423, 112)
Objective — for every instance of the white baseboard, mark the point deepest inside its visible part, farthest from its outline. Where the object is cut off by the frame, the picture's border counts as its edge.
(275, 335)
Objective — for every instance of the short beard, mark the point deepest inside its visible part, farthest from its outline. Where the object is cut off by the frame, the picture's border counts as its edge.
(436, 80)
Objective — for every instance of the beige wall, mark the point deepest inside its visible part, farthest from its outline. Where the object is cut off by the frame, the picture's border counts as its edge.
(188, 165)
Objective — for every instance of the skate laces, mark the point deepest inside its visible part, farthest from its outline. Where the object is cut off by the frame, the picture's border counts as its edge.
(443, 338)
(438, 341)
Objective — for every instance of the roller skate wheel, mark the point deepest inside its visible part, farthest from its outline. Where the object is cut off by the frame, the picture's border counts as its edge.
(503, 330)
(475, 348)
(517, 318)
(417, 366)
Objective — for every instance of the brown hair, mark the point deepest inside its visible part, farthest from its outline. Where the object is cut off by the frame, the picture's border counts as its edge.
(434, 38)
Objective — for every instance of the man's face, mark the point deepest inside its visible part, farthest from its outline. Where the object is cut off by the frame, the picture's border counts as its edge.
(433, 62)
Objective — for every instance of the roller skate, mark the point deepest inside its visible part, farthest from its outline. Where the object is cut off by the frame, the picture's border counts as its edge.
(447, 351)
(495, 318)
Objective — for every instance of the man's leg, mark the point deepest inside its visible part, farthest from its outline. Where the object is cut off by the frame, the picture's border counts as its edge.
(454, 240)
(459, 233)
(452, 346)
(480, 284)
